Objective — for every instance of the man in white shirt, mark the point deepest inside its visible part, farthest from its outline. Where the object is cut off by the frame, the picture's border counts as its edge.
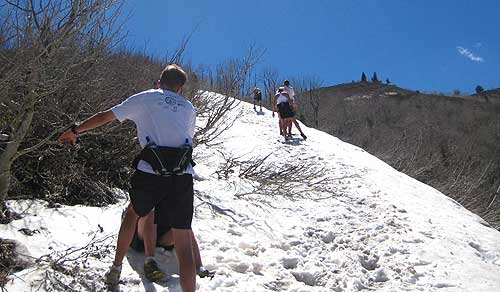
(282, 104)
(291, 93)
(289, 89)
(163, 182)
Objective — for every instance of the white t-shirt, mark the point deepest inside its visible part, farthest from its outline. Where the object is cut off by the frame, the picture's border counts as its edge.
(281, 99)
(290, 91)
(162, 116)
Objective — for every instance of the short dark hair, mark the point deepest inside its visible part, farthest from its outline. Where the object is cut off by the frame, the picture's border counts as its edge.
(173, 77)
(286, 82)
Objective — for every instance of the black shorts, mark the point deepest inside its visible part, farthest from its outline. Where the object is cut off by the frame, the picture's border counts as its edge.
(138, 244)
(170, 196)
(285, 110)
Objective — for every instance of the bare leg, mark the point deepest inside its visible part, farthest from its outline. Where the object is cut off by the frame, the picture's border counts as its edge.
(184, 251)
(125, 234)
(283, 125)
(297, 125)
(167, 239)
(289, 126)
(196, 252)
(147, 232)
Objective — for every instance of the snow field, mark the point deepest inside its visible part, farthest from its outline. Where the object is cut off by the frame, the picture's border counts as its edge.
(370, 227)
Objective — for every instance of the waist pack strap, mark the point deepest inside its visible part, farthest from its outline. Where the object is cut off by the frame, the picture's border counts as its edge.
(166, 160)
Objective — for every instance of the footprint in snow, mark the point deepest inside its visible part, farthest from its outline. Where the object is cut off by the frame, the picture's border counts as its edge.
(443, 285)
(413, 240)
(307, 277)
(290, 262)
(328, 237)
(369, 262)
(234, 232)
(323, 219)
(380, 276)
(477, 247)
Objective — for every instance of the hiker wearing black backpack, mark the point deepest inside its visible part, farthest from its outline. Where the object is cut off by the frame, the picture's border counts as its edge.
(163, 179)
(257, 98)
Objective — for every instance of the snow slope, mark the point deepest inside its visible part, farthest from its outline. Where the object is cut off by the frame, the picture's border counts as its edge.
(359, 224)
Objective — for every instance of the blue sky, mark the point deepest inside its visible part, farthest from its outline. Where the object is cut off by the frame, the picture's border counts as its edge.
(426, 45)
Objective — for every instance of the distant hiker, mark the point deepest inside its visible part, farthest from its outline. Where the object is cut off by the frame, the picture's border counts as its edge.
(163, 179)
(257, 98)
(282, 104)
(275, 109)
(291, 93)
(165, 239)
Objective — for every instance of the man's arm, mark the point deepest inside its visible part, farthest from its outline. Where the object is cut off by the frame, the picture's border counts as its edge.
(294, 103)
(93, 122)
(275, 107)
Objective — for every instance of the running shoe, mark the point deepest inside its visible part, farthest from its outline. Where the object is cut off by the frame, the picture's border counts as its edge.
(152, 272)
(112, 277)
(204, 273)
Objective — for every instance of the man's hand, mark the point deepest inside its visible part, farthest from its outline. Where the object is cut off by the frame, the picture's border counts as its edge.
(93, 122)
(67, 137)
(273, 114)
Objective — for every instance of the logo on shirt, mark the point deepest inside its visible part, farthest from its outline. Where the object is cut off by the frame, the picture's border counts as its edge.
(170, 100)
(173, 104)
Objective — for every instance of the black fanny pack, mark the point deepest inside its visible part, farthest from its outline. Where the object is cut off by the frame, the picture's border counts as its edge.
(166, 160)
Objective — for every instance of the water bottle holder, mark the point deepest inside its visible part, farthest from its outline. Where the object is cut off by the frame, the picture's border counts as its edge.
(166, 160)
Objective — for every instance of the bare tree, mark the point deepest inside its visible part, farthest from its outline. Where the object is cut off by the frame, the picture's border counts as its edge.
(177, 56)
(231, 84)
(271, 79)
(47, 44)
(253, 56)
(308, 90)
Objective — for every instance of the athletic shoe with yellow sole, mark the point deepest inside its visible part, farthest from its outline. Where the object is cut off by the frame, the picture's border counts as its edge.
(152, 272)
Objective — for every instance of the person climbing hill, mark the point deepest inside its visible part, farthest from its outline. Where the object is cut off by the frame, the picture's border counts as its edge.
(257, 98)
(291, 93)
(163, 180)
(164, 239)
(282, 104)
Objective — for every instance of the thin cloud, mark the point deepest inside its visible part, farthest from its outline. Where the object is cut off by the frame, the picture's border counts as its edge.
(468, 54)
(478, 45)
